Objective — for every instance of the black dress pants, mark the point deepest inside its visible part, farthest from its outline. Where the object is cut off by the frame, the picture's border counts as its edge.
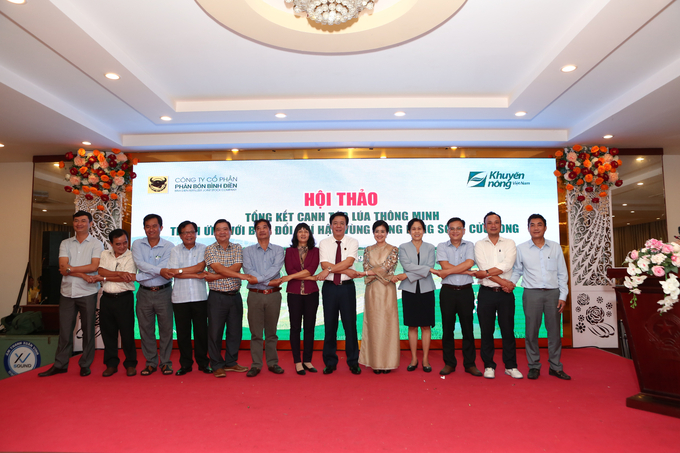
(300, 306)
(340, 299)
(461, 303)
(186, 314)
(489, 303)
(117, 314)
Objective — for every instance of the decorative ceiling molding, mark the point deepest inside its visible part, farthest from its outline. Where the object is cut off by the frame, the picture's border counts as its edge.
(261, 22)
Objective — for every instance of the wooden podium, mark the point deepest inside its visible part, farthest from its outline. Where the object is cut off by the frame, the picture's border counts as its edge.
(654, 342)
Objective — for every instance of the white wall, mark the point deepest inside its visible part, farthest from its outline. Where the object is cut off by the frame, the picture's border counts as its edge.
(16, 186)
(671, 181)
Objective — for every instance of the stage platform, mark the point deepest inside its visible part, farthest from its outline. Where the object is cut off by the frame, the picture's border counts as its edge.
(400, 411)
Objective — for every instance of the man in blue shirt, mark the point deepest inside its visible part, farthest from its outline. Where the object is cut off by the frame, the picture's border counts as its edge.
(78, 263)
(190, 298)
(456, 256)
(154, 297)
(262, 263)
(541, 265)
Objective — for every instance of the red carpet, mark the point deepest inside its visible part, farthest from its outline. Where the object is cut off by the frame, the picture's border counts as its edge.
(405, 411)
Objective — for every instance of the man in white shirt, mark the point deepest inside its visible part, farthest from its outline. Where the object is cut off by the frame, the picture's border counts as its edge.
(78, 264)
(117, 304)
(337, 255)
(495, 257)
(541, 265)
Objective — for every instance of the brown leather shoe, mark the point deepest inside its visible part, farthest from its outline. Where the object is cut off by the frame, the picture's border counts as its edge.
(220, 372)
(110, 371)
(238, 368)
(448, 369)
(52, 371)
(131, 371)
(473, 371)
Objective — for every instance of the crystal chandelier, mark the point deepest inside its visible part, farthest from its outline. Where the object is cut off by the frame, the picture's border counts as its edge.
(331, 12)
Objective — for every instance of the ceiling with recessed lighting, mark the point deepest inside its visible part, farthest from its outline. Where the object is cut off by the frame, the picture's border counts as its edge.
(189, 80)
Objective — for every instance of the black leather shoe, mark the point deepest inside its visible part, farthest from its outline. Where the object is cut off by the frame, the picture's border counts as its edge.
(276, 369)
(206, 370)
(355, 369)
(311, 369)
(386, 371)
(301, 372)
(377, 371)
(427, 369)
(85, 371)
(253, 372)
(560, 374)
(534, 373)
(412, 367)
(329, 369)
(182, 371)
(52, 371)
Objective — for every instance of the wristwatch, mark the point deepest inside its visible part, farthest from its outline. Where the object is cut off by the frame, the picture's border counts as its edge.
(68, 270)
(180, 271)
(104, 279)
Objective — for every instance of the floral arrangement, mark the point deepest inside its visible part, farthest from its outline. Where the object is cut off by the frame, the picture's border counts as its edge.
(659, 260)
(590, 171)
(99, 174)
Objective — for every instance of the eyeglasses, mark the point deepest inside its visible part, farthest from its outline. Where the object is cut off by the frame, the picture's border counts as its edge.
(456, 229)
(187, 232)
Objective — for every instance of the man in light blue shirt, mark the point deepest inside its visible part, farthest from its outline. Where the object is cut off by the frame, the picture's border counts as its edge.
(151, 255)
(541, 265)
(262, 262)
(190, 299)
(78, 264)
(456, 256)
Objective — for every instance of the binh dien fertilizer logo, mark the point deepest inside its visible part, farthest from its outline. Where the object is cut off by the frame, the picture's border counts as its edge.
(20, 357)
(496, 179)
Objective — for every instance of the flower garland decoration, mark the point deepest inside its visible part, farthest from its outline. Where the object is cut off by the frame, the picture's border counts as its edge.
(590, 171)
(99, 174)
(659, 260)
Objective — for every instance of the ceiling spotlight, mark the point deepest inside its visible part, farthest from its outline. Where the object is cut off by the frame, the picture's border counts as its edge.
(112, 76)
(520, 113)
(640, 183)
(234, 150)
(640, 159)
(56, 164)
(87, 143)
(44, 210)
(166, 118)
(608, 136)
(399, 114)
(383, 157)
(1, 145)
(17, 2)
(453, 148)
(568, 68)
(624, 204)
(280, 115)
(632, 212)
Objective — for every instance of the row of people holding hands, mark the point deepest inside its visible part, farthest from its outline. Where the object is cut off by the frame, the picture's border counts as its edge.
(154, 263)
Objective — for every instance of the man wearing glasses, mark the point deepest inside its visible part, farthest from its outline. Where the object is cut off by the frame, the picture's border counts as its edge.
(189, 298)
(456, 298)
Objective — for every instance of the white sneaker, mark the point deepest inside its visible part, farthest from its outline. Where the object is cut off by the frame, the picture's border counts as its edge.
(514, 373)
(490, 373)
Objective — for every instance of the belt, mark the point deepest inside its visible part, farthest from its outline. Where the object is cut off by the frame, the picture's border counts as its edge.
(123, 293)
(496, 289)
(228, 293)
(456, 287)
(265, 291)
(155, 288)
(542, 289)
(345, 282)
